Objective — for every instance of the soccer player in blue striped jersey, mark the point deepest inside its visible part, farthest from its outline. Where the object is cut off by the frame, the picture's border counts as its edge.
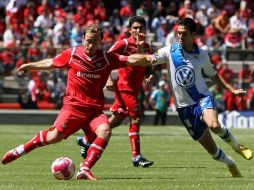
(195, 105)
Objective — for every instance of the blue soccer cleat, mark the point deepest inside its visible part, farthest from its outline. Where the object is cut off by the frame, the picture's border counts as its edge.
(83, 147)
(141, 161)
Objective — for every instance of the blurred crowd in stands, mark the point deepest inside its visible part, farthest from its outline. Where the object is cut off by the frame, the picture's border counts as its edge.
(38, 29)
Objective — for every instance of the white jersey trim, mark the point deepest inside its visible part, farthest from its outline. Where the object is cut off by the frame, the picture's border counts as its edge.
(133, 133)
(73, 50)
(97, 147)
(105, 56)
(126, 45)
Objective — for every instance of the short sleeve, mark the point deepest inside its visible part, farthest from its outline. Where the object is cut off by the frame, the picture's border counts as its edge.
(208, 67)
(118, 47)
(161, 55)
(63, 59)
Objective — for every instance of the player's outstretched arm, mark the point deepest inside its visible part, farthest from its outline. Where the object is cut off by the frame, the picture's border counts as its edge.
(223, 84)
(44, 64)
(140, 60)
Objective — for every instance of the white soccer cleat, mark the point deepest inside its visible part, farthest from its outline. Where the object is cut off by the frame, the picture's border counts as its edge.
(85, 175)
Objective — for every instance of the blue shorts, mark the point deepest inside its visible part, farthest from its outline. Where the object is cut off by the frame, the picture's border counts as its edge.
(191, 117)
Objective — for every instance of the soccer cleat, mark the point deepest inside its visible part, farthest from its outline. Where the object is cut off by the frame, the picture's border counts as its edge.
(233, 170)
(83, 147)
(85, 175)
(141, 161)
(245, 152)
(10, 156)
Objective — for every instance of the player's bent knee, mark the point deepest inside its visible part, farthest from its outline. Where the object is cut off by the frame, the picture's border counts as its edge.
(104, 131)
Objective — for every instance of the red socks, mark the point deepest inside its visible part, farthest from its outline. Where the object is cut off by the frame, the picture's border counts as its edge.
(94, 152)
(38, 141)
(134, 139)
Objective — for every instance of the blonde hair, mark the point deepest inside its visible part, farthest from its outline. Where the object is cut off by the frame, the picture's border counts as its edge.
(93, 28)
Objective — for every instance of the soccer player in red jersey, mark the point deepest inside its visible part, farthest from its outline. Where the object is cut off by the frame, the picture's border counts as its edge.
(126, 89)
(88, 71)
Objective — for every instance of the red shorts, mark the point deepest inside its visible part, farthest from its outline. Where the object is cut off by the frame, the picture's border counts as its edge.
(126, 104)
(70, 120)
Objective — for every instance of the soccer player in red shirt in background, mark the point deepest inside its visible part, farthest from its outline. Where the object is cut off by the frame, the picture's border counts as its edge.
(88, 71)
(126, 90)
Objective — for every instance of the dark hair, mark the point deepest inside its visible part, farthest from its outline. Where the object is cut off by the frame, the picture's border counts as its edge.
(93, 28)
(188, 23)
(138, 19)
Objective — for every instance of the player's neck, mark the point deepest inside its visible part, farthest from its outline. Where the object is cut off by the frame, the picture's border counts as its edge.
(189, 48)
(91, 54)
(133, 39)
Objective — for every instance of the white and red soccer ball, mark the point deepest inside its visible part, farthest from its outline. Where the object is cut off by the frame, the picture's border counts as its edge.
(63, 168)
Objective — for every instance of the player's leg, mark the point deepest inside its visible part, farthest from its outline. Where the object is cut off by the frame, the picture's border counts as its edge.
(63, 127)
(85, 141)
(191, 118)
(217, 153)
(135, 113)
(117, 118)
(137, 158)
(100, 125)
(210, 117)
(43, 138)
(89, 136)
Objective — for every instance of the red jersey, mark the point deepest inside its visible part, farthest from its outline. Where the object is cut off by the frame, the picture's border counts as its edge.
(87, 75)
(130, 78)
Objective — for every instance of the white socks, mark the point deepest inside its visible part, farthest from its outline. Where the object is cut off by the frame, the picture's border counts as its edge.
(222, 157)
(20, 149)
(229, 138)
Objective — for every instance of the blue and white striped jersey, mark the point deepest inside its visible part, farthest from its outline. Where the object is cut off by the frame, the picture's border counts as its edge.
(185, 73)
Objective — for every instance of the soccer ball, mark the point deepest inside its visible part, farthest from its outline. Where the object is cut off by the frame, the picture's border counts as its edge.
(63, 168)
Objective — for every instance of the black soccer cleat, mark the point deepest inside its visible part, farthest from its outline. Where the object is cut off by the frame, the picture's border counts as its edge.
(83, 147)
(141, 161)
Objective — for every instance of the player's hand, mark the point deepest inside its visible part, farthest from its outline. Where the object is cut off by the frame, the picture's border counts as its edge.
(151, 59)
(22, 69)
(140, 41)
(240, 92)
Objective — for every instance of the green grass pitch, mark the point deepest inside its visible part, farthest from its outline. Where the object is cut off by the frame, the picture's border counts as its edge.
(179, 162)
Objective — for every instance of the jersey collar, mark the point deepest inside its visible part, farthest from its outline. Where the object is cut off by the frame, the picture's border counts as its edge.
(196, 49)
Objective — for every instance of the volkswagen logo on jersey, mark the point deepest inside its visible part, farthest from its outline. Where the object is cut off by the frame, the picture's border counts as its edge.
(185, 76)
